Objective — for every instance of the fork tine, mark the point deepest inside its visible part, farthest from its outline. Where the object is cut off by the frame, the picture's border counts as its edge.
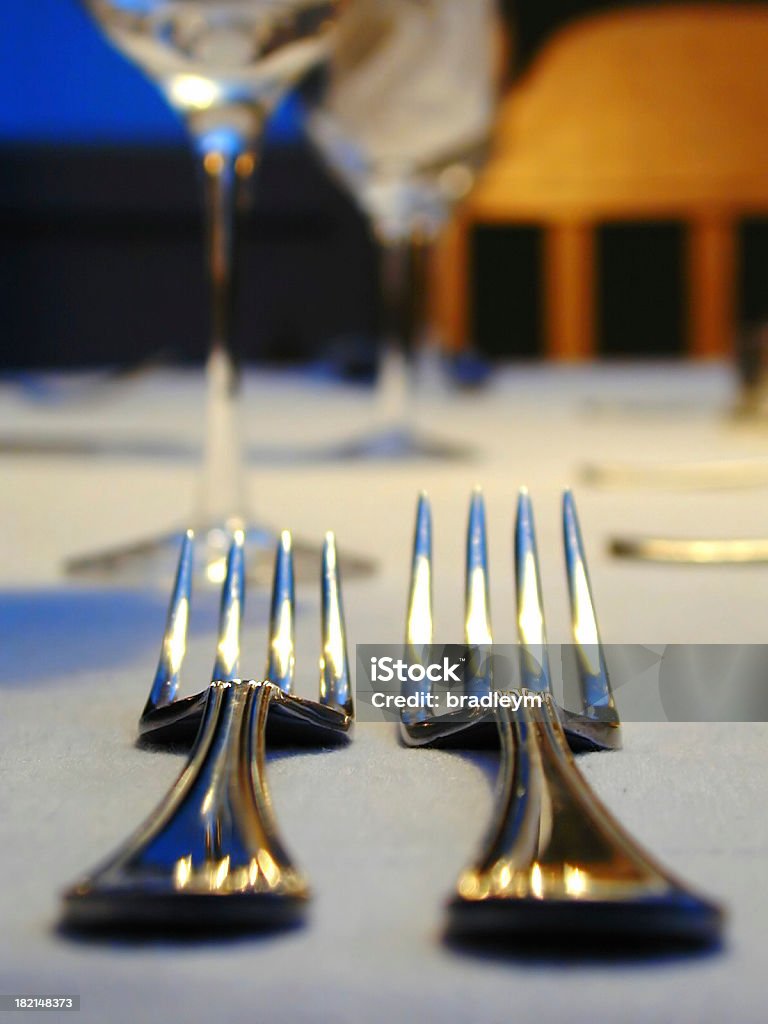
(419, 627)
(281, 656)
(593, 673)
(420, 624)
(231, 614)
(335, 686)
(531, 631)
(174, 644)
(478, 680)
(477, 621)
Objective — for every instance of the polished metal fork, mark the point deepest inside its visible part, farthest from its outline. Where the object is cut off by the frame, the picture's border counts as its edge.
(597, 726)
(555, 861)
(211, 856)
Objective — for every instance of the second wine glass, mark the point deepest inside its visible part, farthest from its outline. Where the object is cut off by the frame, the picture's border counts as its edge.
(404, 123)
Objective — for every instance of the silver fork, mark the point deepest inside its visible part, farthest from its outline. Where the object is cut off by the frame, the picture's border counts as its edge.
(554, 861)
(211, 856)
(597, 726)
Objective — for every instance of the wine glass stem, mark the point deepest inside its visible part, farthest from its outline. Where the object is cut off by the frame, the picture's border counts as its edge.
(403, 291)
(222, 497)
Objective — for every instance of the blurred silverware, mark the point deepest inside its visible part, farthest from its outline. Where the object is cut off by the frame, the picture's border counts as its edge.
(714, 474)
(687, 550)
(62, 390)
(210, 856)
(555, 862)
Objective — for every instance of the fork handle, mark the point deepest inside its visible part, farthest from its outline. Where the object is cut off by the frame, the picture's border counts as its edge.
(556, 859)
(211, 852)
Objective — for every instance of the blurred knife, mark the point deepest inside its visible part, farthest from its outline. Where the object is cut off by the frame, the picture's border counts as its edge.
(711, 551)
(725, 473)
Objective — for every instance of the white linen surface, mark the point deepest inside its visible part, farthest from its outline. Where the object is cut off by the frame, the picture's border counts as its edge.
(381, 831)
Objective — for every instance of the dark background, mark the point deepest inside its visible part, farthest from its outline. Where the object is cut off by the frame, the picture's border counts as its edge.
(100, 233)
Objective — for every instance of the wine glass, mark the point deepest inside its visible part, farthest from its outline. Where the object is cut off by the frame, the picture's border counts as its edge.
(404, 123)
(223, 65)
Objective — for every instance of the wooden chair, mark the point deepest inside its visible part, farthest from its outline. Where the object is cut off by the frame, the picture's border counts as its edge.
(651, 113)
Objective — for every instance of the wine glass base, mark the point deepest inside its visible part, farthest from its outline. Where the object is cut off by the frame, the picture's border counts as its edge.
(403, 442)
(152, 562)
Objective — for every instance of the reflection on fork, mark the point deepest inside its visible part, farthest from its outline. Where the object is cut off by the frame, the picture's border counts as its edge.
(211, 856)
(555, 862)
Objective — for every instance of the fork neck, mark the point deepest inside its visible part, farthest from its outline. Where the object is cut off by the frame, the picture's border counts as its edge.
(216, 832)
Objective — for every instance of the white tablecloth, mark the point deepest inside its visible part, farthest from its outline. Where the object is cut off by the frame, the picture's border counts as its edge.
(381, 831)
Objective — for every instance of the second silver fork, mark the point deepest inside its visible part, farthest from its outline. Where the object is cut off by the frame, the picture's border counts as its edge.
(597, 725)
(555, 861)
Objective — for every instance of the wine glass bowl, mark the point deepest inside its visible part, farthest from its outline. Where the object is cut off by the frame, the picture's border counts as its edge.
(411, 96)
(220, 60)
